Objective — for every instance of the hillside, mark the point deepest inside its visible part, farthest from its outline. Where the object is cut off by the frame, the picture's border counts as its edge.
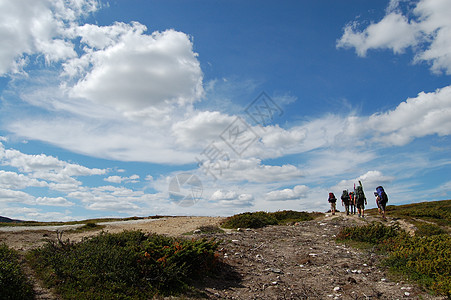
(296, 261)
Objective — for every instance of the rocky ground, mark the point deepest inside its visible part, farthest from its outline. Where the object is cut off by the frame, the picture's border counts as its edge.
(304, 262)
(300, 261)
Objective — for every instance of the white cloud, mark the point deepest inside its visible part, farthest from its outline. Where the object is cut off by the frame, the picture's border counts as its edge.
(119, 179)
(134, 71)
(58, 201)
(12, 196)
(299, 191)
(427, 114)
(394, 32)
(29, 27)
(201, 128)
(250, 170)
(426, 28)
(370, 180)
(13, 180)
(232, 199)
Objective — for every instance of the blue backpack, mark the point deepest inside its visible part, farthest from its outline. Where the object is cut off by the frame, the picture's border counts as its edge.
(382, 195)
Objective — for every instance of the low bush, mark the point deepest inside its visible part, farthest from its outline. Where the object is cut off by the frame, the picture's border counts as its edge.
(429, 230)
(291, 216)
(128, 265)
(249, 220)
(261, 219)
(13, 283)
(371, 233)
(426, 259)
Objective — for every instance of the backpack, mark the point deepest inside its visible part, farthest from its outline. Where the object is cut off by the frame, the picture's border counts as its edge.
(382, 195)
(345, 197)
(360, 196)
(332, 197)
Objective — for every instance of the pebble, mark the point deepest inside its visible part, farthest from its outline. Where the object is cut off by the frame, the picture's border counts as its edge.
(336, 289)
(407, 294)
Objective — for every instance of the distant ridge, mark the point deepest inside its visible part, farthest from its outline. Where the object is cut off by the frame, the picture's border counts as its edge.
(8, 220)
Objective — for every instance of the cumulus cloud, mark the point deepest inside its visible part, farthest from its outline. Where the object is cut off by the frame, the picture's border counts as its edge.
(393, 32)
(39, 28)
(232, 198)
(13, 196)
(253, 170)
(370, 180)
(58, 201)
(299, 191)
(426, 28)
(46, 167)
(119, 179)
(15, 181)
(426, 114)
(131, 71)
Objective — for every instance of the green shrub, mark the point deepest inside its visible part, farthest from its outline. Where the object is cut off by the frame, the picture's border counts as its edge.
(371, 233)
(262, 219)
(434, 211)
(210, 229)
(126, 265)
(291, 216)
(250, 220)
(13, 283)
(426, 259)
(428, 230)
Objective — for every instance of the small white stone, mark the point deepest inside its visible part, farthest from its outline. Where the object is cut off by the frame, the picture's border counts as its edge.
(336, 289)
(407, 294)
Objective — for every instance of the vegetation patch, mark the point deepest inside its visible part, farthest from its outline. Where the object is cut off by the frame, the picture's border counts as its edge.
(438, 212)
(207, 229)
(13, 283)
(127, 265)
(89, 226)
(426, 260)
(261, 219)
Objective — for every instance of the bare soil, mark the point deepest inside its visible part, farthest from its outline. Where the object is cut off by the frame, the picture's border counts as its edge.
(300, 261)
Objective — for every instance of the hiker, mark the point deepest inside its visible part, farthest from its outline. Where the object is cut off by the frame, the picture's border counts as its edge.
(360, 200)
(332, 200)
(351, 202)
(345, 201)
(381, 200)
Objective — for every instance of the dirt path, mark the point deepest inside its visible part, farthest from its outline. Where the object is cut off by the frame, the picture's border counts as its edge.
(304, 262)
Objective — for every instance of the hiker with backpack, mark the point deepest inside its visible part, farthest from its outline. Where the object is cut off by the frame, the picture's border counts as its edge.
(332, 200)
(381, 200)
(360, 200)
(345, 201)
(351, 203)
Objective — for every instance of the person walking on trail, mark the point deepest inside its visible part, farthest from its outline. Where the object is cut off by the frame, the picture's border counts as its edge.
(345, 201)
(381, 200)
(351, 203)
(332, 200)
(360, 200)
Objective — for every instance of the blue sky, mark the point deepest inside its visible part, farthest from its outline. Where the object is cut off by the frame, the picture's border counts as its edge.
(250, 105)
